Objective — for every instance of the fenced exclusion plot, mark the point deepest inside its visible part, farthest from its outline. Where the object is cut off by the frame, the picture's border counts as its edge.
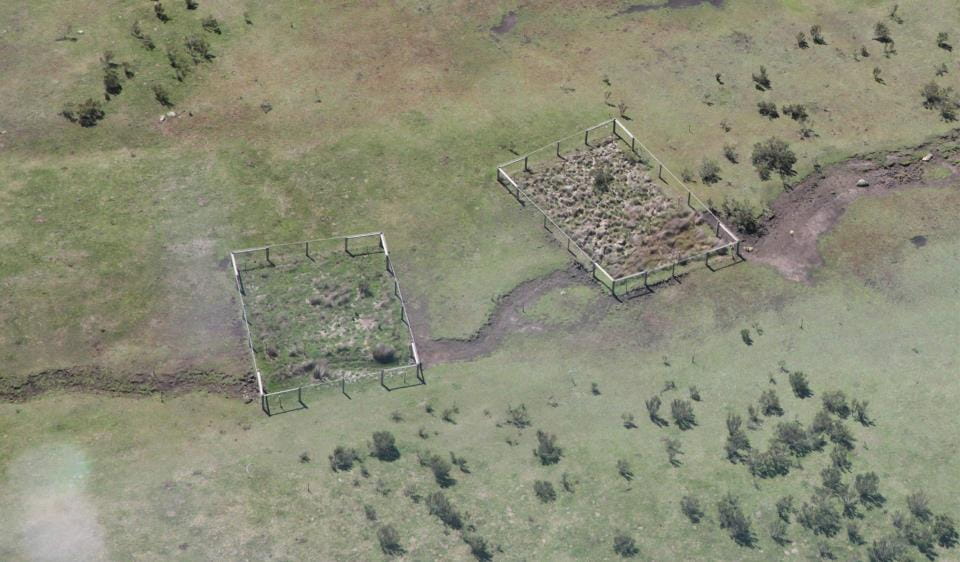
(523, 177)
(301, 301)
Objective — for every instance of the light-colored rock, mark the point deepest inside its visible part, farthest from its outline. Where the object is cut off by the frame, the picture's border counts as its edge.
(862, 183)
(791, 233)
(163, 118)
(171, 114)
(928, 157)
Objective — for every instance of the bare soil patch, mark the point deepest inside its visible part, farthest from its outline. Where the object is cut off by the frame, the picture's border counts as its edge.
(637, 8)
(800, 216)
(606, 200)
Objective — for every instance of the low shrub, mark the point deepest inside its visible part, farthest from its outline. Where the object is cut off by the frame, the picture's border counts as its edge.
(86, 114)
(343, 458)
(389, 540)
(544, 491)
(441, 508)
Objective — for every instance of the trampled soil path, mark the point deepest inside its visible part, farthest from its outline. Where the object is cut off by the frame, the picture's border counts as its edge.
(800, 216)
(507, 319)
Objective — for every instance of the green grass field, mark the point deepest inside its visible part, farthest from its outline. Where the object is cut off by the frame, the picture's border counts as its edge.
(114, 265)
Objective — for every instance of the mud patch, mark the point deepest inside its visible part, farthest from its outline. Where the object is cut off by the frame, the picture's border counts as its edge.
(919, 241)
(799, 217)
(670, 4)
(506, 23)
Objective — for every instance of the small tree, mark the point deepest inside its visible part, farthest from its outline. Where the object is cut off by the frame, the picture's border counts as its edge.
(709, 171)
(768, 109)
(440, 507)
(867, 486)
(840, 458)
(623, 468)
(799, 384)
(748, 221)
(343, 458)
(690, 506)
(737, 445)
(820, 517)
(835, 402)
(733, 520)
(773, 155)
(682, 413)
(384, 446)
(625, 546)
(816, 33)
(802, 40)
(881, 33)
(389, 540)
(653, 410)
(441, 469)
(943, 41)
(832, 480)
(770, 403)
(762, 81)
(547, 450)
(796, 439)
(769, 464)
(160, 12)
(854, 535)
(841, 435)
(730, 153)
(544, 491)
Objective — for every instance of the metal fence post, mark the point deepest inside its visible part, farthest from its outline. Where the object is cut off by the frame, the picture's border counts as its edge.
(586, 138)
(645, 285)
(660, 173)
(307, 248)
(267, 249)
(525, 167)
(558, 150)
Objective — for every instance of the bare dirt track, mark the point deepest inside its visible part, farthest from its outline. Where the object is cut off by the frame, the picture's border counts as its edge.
(811, 209)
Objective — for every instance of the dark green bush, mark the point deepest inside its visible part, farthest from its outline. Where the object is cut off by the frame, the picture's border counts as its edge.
(799, 384)
(211, 24)
(733, 520)
(761, 80)
(198, 48)
(773, 462)
(517, 417)
(625, 546)
(768, 109)
(690, 506)
(162, 95)
(867, 486)
(160, 12)
(835, 402)
(440, 507)
(682, 413)
(87, 113)
(746, 220)
(773, 155)
(770, 403)
(479, 547)
(547, 450)
(709, 172)
(343, 458)
(440, 468)
(544, 491)
(389, 540)
(384, 446)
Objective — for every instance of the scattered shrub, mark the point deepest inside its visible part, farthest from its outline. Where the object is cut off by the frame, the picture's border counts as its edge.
(841, 435)
(840, 458)
(440, 468)
(746, 220)
(942, 69)
(672, 447)
(396, 416)
(822, 423)
(623, 468)
(177, 62)
(773, 462)
(945, 531)
(449, 414)
(625, 546)
(198, 48)
(686, 175)
(384, 446)
(836, 403)
(770, 403)
(192, 4)
(832, 480)
(694, 393)
(304, 457)
(160, 12)
(768, 109)
(211, 24)
(369, 512)
(762, 81)
(939, 98)
(887, 549)
(854, 535)
(163, 98)
(867, 486)
(682, 413)
(799, 384)
(441, 508)
(690, 506)
(773, 155)
(384, 354)
(567, 482)
(784, 508)
(602, 179)
(628, 421)
(518, 417)
(389, 540)
(547, 450)
(544, 491)
(594, 389)
(653, 410)
(797, 112)
(733, 520)
(737, 445)
(145, 40)
(479, 547)
(919, 505)
(820, 517)
(753, 416)
(881, 33)
(730, 153)
(343, 458)
(796, 439)
(816, 33)
(802, 40)
(709, 172)
(943, 41)
(778, 532)
(87, 113)
(460, 462)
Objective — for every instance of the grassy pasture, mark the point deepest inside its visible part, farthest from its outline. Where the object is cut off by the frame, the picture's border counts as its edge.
(201, 476)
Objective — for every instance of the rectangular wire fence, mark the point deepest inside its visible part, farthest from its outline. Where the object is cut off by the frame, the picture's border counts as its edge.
(272, 402)
(725, 252)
